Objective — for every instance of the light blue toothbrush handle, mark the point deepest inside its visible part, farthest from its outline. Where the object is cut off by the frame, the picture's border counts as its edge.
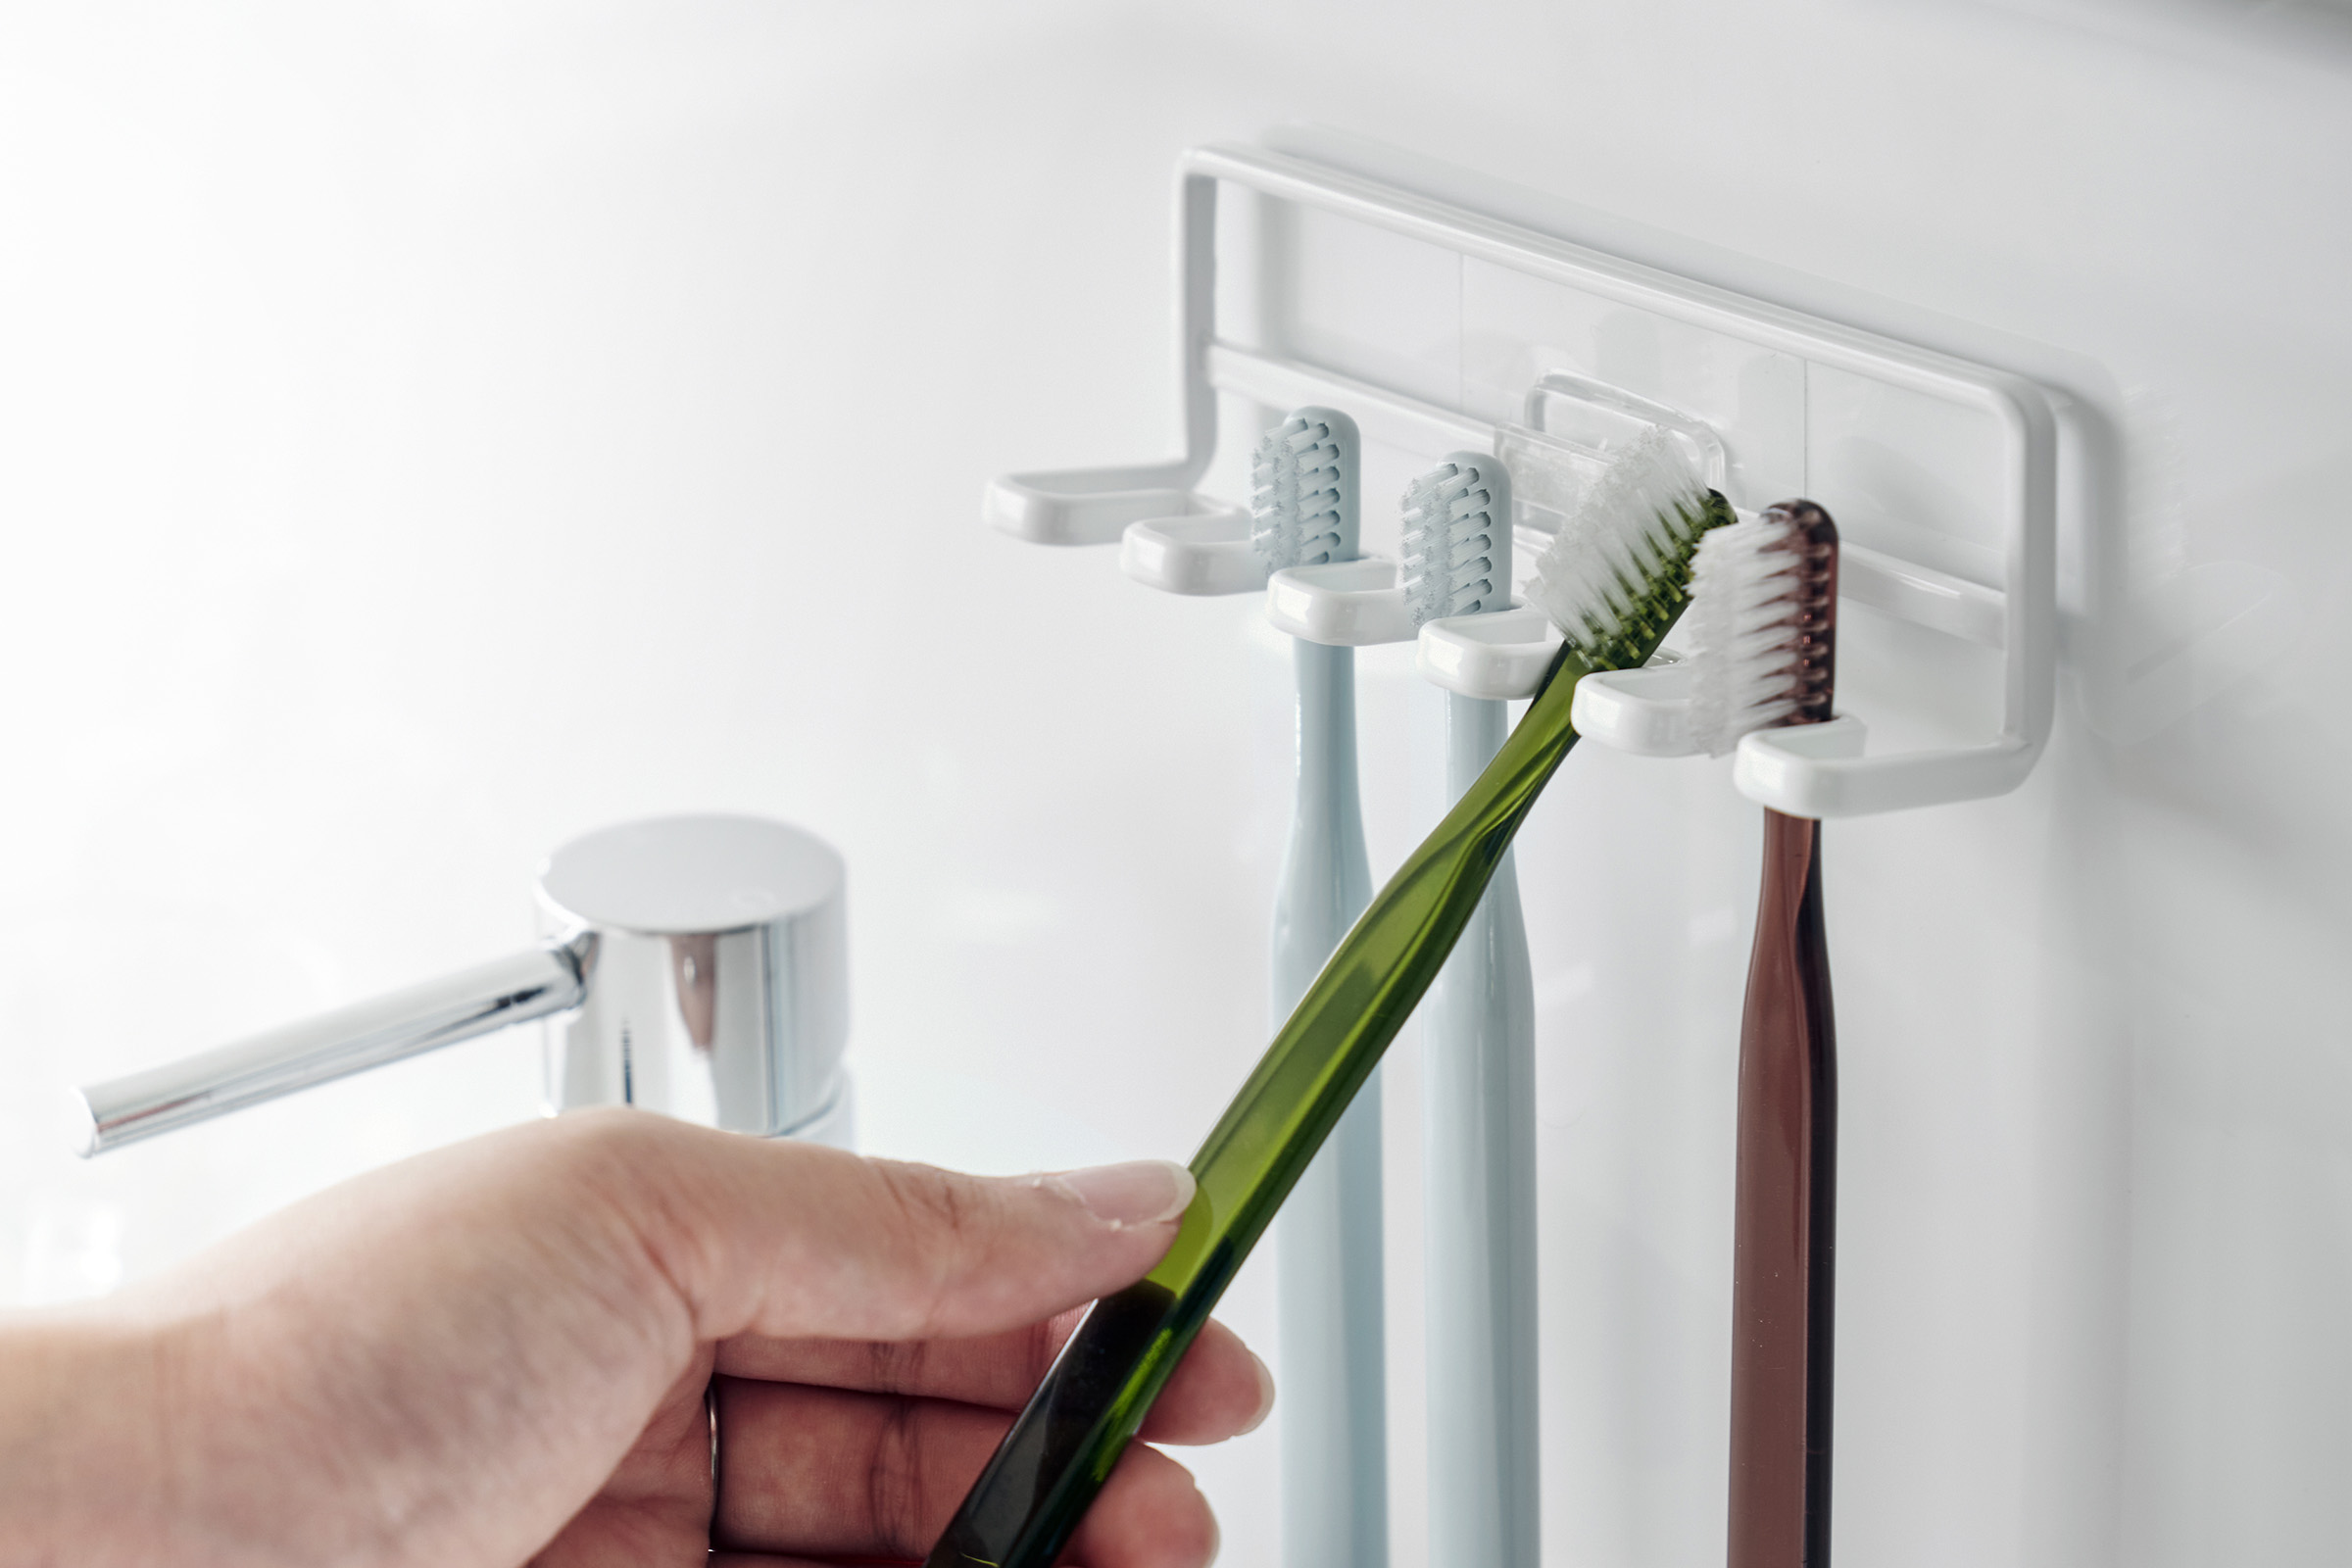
(1334, 1384)
(1328, 1260)
(1478, 1044)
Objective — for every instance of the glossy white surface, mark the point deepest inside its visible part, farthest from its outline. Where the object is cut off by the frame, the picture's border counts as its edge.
(1645, 711)
(367, 368)
(1095, 514)
(695, 873)
(1198, 555)
(1493, 657)
(1350, 603)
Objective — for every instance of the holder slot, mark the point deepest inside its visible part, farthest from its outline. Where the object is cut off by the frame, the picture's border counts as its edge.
(1206, 551)
(1347, 603)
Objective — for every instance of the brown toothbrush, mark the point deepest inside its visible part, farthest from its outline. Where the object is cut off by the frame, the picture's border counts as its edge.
(1765, 603)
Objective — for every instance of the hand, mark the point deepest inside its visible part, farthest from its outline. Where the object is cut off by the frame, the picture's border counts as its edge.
(505, 1351)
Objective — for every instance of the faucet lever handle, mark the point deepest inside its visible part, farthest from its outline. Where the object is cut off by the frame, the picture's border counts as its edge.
(701, 964)
(335, 1045)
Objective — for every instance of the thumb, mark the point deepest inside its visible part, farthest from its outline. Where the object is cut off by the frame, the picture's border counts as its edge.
(796, 1241)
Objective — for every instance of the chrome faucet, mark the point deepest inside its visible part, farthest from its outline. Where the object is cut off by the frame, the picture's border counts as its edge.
(695, 965)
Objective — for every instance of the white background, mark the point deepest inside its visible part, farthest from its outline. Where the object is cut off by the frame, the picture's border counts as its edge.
(429, 431)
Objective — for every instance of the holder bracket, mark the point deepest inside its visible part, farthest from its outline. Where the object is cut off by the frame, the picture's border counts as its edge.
(1179, 540)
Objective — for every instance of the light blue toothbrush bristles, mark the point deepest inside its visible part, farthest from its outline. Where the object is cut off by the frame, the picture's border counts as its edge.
(1748, 671)
(1614, 573)
(1303, 490)
(1456, 556)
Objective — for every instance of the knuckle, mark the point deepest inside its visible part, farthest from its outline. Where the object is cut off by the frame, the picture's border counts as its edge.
(617, 1148)
(896, 1366)
(943, 1221)
(932, 1202)
(629, 1185)
(895, 1485)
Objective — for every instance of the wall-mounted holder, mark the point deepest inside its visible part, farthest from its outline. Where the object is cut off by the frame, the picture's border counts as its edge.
(695, 965)
(1177, 539)
(1180, 540)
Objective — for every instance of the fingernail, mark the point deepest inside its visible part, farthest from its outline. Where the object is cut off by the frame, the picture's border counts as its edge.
(1265, 1395)
(1142, 1192)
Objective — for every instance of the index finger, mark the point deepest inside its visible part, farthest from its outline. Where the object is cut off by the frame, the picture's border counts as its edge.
(1219, 1389)
(793, 1240)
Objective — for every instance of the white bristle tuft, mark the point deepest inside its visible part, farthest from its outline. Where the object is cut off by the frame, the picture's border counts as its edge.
(1455, 554)
(1746, 673)
(1301, 510)
(1625, 530)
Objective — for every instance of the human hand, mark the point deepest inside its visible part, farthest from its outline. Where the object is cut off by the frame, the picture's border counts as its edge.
(502, 1353)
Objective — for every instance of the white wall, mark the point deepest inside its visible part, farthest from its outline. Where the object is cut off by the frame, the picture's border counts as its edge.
(429, 433)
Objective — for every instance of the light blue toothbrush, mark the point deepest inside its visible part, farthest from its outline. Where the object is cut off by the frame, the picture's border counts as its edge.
(1478, 1052)
(1304, 512)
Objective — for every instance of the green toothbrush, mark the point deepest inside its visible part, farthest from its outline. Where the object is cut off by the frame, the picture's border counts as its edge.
(1613, 580)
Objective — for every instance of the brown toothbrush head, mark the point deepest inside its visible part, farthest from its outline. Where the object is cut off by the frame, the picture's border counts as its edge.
(1807, 533)
(1764, 612)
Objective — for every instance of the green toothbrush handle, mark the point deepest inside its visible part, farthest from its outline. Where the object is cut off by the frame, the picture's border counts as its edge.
(1020, 1512)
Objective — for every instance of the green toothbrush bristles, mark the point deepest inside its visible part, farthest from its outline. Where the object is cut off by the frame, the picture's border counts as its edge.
(1618, 572)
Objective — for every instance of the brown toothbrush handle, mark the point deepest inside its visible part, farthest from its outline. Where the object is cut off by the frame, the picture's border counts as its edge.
(1783, 1225)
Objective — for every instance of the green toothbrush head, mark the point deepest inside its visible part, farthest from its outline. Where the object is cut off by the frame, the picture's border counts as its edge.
(1618, 573)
